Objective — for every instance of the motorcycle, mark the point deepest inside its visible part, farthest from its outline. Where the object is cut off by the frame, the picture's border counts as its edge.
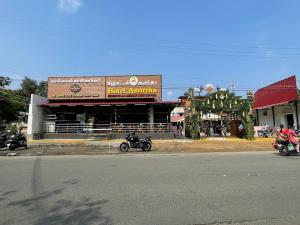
(16, 141)
(133, 141)
(3, 139)
(266, 133)
(285, 147)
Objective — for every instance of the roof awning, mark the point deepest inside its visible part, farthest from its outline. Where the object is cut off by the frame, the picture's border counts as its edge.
(268, 106)
(278, 93)
(106, 103)
(178, 110)
(175, 119)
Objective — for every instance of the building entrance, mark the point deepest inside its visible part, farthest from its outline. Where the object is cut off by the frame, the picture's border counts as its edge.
(289, 120)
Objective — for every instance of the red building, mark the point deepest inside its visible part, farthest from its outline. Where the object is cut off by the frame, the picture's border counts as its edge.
(277, 104)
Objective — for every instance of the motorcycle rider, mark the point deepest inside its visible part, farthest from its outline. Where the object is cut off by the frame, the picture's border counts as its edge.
(291, 136)
(281, 128)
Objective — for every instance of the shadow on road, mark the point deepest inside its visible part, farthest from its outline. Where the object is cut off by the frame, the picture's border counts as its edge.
(83, 211)
(50, 207)
(295, 157)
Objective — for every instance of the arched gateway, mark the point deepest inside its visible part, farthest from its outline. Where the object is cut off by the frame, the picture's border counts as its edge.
(231, 112)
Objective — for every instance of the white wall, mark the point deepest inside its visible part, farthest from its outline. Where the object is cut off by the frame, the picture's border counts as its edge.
(268, 119)
(35, 115)
(280, 113)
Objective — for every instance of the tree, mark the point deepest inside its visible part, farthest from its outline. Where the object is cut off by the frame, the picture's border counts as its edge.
(42, 89)
(28, 86)
(4, 81)
(11, 104)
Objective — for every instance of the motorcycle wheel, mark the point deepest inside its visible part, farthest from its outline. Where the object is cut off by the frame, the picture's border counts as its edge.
(260, 134)
(124, 147)
(25, 145)
(293, 153)
(146, 146)
(283, 151)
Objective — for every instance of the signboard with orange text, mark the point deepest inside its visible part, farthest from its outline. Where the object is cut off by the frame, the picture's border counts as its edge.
(104, 87)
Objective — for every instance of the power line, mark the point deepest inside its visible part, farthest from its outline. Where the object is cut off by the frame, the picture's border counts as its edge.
(191, 51)
(43, 23)
(8, 94)
(15, 100)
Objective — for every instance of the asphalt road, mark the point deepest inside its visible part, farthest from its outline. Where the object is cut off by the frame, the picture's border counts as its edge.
(221, 188)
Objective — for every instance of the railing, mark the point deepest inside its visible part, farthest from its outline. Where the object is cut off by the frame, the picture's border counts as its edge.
(141, 127)
(107, 128)
(76, 128)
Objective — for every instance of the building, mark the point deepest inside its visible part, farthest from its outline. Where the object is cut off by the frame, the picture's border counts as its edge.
(278, 103)
(81, 107)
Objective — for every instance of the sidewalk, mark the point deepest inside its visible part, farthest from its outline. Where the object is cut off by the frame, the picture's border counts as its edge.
(95, 147)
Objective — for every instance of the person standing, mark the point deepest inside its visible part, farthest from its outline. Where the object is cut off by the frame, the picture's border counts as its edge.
(180, 129)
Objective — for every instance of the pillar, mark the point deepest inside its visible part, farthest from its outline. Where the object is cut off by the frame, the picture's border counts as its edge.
(257, 117)
(35, 117)
(273, 114)
(151, 116)
(115, 114)
(297, 116)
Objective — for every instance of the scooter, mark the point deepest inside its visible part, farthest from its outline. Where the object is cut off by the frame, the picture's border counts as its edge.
(133, 141)
(16, 141)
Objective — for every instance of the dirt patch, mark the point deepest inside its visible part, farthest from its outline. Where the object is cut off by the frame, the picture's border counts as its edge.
(166, 146)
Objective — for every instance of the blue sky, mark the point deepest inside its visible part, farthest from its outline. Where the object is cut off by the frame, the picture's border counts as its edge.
(191, 43)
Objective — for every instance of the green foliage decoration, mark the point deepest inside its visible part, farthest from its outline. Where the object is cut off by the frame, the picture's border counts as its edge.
(221, 101)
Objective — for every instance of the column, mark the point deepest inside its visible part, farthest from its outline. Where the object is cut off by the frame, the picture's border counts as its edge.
(35, 117)
(115, 114)
(257, 117)
(151, 116)
(273, 114)
(297, 116)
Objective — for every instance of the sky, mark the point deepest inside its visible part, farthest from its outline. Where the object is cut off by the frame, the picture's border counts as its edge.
(248, 43)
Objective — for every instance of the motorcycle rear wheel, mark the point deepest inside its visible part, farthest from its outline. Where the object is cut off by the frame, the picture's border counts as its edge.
(124, 147)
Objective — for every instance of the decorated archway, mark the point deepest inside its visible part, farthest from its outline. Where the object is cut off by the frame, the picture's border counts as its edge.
(221, 102)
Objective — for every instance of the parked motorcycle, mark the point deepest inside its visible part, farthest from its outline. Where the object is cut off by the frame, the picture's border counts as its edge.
(3, 139)
(16, 141)
(133, 141)
(285, 147)
(266, 133)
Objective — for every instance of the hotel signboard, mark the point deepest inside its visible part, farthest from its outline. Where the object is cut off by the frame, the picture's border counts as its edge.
(104, 87)
(133, 87)
(76, 88)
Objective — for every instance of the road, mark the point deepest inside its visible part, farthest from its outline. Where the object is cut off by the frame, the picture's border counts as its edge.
(211, 188)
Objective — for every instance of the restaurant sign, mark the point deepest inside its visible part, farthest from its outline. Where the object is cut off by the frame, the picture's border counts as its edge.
(133, 87)
(104, 87)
